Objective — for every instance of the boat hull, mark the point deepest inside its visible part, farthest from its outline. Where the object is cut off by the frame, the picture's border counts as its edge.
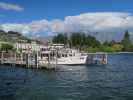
(79, 60)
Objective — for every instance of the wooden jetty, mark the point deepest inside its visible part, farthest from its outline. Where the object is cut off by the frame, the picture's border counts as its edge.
(27, 60)
(34, 60)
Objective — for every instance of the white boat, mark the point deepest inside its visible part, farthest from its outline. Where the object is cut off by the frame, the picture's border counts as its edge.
(67, 56)
(71, 57)
(63, 56)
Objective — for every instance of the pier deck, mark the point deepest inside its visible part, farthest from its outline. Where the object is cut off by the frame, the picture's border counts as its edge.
(25, 60)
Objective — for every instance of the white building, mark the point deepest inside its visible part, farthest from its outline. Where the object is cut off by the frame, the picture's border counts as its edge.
(29, 47)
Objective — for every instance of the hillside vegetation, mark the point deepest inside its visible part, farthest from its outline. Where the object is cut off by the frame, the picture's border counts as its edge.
(91, 44)
(12, 37)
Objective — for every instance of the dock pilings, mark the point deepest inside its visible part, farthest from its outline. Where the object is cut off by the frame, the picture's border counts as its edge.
(28, 60)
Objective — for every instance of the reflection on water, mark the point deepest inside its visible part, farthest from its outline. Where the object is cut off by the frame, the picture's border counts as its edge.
(111, 82)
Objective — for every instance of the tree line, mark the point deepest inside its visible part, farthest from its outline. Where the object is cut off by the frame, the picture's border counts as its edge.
(89, 43)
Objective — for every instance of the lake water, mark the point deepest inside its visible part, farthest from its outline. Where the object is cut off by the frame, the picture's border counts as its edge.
(111, 82)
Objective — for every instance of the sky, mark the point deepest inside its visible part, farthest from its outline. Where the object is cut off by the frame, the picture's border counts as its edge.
(48, 17)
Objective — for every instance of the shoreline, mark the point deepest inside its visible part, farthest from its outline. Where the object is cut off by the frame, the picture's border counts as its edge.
(120, 53)
(112, 53)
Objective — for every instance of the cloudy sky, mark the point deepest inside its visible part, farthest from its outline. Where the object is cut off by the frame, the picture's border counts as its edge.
(46, 17)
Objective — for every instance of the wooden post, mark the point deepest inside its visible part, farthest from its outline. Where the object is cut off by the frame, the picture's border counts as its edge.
(15, 58)
(27, 60)
(2, 57)
(10, 59)
(56, 59)
(21, 58)
(106, 58)
(48, 60)
(36, 59)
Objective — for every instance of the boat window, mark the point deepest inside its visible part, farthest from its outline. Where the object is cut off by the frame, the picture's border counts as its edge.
(82, 58)
(83, 54)
(44, 55)
(62, 55)
(65, 55)
(70, 54)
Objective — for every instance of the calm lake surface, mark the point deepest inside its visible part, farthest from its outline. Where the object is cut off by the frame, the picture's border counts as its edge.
(111, 82)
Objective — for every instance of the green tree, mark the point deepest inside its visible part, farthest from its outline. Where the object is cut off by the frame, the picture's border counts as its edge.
(82, 40)
(77, 40)
(60, 38)
(126, 42)
(104, 48)
(6, 47)
(106, 43)
(117, 47)
(92, 42)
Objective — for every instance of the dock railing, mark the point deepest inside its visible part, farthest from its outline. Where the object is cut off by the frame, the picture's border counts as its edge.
(29, 60)
(98, 58)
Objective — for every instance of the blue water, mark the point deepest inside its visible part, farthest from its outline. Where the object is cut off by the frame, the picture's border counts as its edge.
(111, 82)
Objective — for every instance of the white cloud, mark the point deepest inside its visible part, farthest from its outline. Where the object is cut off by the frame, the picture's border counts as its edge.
(92, 22)
(57, 26)
(8, 6)
(26, 28)
(99, 21)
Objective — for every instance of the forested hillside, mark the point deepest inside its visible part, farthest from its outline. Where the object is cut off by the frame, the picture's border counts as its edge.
(11, 36)
(91, 44)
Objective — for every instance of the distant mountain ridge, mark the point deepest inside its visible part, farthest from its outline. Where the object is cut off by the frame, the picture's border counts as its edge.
(11, 36)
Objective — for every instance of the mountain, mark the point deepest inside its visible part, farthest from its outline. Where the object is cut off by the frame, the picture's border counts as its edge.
(11, 36)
